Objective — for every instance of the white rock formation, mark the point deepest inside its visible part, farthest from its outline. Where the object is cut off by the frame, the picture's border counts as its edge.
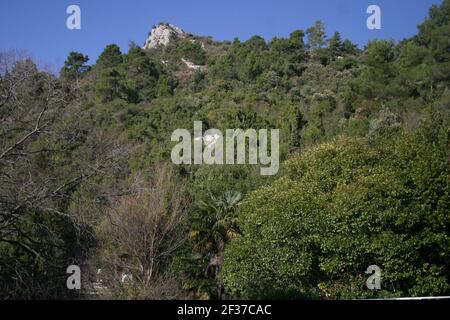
(161, 35)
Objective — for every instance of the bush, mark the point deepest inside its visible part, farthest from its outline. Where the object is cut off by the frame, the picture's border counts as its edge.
(341, 207)
(193, 51)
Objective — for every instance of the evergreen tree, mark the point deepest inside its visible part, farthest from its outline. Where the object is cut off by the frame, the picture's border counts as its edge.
(296, 128)
(110, 57)
(74, 66)
(335, 45)
(348, 47)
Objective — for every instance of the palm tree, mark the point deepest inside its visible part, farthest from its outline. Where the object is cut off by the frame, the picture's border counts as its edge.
(220, 217)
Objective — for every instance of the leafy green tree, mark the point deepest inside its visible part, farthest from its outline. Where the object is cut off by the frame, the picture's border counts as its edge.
(296, 39)
(434, 31)
(255, 43)
(379, 53)
(341, 207)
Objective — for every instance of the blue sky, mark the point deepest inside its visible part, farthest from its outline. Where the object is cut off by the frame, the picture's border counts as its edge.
(39, 27)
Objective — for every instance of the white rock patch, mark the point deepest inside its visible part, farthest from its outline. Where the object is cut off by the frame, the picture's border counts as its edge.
(191, 65)
(161, 35)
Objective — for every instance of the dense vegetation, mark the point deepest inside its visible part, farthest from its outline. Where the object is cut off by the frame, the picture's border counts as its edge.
(86, 176)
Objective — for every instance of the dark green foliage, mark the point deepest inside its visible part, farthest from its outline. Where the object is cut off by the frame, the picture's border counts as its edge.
(341, 207)
(364, 133)
(43, 160)
(141, 76)
(434, 32)
(110, 57)
(296, 127)
(193, 51)
(74, 66)
(109, 85)
(348, 47)
(335, 45)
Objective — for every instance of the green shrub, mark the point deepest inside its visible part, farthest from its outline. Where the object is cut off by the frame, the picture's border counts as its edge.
(341, 207)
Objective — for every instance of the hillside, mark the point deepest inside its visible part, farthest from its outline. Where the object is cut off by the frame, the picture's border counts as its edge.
(87, 177)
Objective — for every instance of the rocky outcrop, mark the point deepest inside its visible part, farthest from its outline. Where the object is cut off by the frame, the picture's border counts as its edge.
(191, 65)
(161, 35)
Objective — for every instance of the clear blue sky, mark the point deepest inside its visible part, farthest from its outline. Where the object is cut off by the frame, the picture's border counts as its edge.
(40, 26)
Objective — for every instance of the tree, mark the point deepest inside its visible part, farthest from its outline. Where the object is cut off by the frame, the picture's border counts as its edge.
(140, 234)
(296, 127)
(348, 47)
(141, 75)
(253, 66)
(341, 207)
(74, 66)
(434, 30)
(110, 57)
(38, 236)
(109, 85)
(316, 35)
(335, 45)
(379, 53)
(255, 43)
(74, 179)
(296, 39)
(216, 194)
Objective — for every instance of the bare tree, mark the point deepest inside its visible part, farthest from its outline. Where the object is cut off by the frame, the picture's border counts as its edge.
(142, 232)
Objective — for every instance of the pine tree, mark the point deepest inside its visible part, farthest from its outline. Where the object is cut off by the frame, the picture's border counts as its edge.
(110, 57)
(296, 127)
(74, 66)
(335, 45)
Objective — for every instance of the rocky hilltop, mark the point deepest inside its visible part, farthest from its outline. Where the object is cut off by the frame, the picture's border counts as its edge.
(161, 34)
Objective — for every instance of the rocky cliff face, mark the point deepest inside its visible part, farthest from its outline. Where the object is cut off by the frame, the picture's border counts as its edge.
(161, 35)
